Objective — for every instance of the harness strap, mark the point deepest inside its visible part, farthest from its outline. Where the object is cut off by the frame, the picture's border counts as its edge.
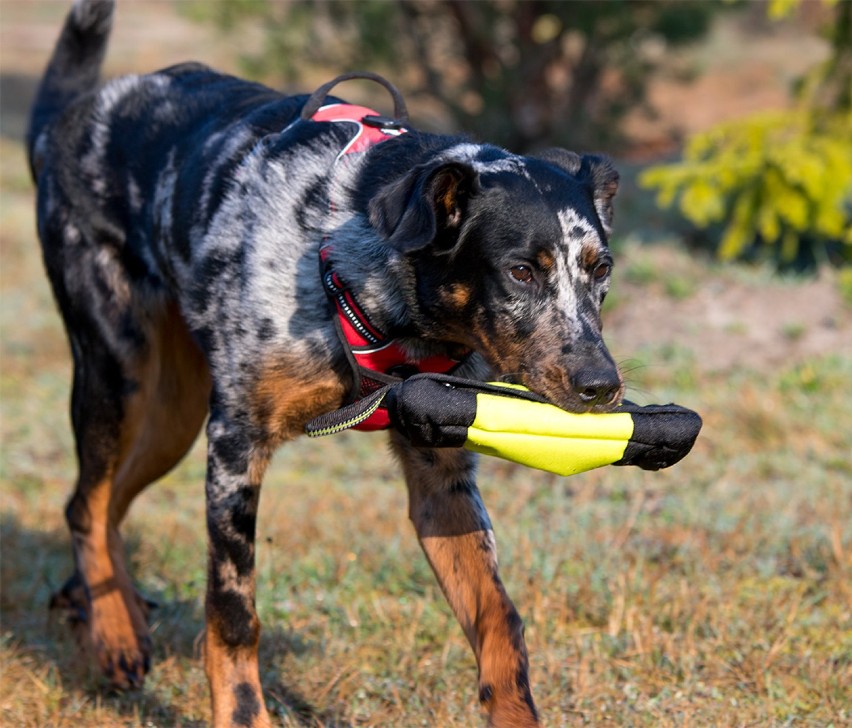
(352, 415)
(377, 360)
(317, 98)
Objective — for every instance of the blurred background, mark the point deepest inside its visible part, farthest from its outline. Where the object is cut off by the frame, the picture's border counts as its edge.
(716, 593)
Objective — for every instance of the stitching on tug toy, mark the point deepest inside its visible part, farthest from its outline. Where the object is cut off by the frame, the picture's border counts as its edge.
(510, 422)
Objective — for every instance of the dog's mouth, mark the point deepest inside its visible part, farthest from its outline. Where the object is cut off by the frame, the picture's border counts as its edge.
(584, 391)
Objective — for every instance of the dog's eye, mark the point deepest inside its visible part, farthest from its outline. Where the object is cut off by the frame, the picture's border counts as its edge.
(522, 273)
(601, 272)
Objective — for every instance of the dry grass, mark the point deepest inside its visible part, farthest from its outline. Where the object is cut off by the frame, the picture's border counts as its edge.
(716, 593)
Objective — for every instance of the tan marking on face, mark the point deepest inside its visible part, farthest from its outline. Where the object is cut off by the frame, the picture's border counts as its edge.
(456, 295)
(501, 348)
(508, 354)
(589, 256)
(546, 259)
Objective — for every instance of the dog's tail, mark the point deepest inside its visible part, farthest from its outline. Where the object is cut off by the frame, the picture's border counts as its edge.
(74, 69)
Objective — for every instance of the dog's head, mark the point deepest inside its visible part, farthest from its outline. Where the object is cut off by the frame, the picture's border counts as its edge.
(508, 256)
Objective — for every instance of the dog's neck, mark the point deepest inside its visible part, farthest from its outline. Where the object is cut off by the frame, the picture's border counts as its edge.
(379, 277)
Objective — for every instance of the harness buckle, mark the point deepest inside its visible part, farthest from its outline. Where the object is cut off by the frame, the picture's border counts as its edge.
(385, 123)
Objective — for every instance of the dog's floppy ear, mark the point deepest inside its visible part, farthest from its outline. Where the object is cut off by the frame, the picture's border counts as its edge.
(569, 161)
(594, 169)
(425, 204)
(603, 176)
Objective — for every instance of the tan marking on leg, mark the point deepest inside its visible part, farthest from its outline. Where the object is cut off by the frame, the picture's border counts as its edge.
(234, 683)
(117, 632)
(233, 628)
(161, 418)
(466, 568)
(285, 398)
(165, 415)
(452, 527)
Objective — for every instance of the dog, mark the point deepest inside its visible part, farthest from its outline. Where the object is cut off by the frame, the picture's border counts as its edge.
(183, 217)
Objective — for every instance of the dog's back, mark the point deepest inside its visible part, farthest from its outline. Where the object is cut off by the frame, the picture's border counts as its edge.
(140, 152)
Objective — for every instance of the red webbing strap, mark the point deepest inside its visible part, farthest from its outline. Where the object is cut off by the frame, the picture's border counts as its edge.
(366, 135)
(372, 356)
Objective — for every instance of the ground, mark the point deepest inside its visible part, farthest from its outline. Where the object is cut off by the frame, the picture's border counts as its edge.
(727, 320)
(716, 593)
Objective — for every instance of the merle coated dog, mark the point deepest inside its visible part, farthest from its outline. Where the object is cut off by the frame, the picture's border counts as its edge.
(181, 216)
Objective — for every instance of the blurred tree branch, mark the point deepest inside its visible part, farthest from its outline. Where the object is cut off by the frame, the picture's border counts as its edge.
(779, 183)
(525, 74)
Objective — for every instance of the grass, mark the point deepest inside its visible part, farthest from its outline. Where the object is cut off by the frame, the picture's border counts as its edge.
(716, 593)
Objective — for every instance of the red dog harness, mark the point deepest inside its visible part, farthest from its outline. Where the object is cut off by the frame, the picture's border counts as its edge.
(376, 360)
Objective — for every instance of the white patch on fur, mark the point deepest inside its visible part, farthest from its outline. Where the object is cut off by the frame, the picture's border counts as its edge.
(161, 207)
(231, 139)
(112, 94)
(569, 271)
(86, 15)
(71, 234)
(279, 275)
(134, 194)
(472, 154)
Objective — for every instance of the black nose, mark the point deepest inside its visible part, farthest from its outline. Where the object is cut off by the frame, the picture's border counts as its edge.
(596, 386)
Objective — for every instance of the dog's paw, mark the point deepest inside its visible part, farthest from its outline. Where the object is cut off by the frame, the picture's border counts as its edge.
(119, 637)
(112, 629)
(125, 666)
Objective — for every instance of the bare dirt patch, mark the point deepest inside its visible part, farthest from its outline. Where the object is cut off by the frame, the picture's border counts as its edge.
(725, 318)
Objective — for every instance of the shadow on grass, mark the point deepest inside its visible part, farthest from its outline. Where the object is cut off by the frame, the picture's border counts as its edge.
(35, 564)
(300, 710)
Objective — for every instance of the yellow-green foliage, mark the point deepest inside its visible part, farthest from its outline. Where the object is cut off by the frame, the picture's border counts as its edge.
(780, 177)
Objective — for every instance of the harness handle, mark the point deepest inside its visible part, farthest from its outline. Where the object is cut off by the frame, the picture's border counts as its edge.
(317, 98)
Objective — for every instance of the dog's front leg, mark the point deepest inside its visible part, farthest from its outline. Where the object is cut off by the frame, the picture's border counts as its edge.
(235, 466)
(455, 532)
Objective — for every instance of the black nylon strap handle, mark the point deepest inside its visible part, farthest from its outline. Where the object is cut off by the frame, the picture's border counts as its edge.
(351, 415)
(317, 98)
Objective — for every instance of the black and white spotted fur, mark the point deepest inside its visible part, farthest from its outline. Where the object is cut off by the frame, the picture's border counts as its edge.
(181, 214)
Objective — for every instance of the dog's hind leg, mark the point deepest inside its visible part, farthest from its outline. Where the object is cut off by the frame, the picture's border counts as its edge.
(168, 409)
(455, 532)
(136, 409)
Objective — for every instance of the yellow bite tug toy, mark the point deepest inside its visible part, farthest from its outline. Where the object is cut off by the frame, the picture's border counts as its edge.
(510, 422)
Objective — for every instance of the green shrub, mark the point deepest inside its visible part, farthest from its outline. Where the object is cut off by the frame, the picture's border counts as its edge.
(844, 284)
(783, 178)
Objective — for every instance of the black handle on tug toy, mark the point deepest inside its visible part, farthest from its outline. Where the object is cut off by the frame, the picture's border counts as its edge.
(510, 422)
